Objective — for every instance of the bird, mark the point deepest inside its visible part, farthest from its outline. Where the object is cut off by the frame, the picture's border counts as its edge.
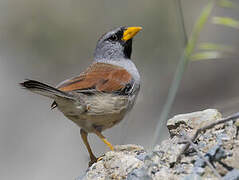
(104, 93)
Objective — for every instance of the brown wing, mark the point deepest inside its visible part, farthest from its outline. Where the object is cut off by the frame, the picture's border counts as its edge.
(99, 76)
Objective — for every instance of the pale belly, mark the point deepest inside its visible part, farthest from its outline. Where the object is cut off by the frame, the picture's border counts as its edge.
(100, 111)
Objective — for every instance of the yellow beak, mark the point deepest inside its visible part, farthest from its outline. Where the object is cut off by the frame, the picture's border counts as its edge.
(130, 32)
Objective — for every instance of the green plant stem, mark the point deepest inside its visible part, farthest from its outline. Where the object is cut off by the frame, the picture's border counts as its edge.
(181, 68)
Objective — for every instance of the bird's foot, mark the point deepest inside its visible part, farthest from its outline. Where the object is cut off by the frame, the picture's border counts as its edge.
(95, 160)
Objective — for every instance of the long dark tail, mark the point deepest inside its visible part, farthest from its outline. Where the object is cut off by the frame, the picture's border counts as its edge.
(45, 90)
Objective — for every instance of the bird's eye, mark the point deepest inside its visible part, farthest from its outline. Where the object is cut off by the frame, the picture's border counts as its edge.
(113, 37)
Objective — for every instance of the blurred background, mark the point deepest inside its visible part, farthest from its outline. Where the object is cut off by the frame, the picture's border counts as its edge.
(51, 40)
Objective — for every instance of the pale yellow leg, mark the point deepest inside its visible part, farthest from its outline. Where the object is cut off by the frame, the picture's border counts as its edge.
(85, 140)
(104, 140)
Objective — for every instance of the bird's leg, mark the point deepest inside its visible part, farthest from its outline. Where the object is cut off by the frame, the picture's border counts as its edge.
(98, 133)
(85, 140)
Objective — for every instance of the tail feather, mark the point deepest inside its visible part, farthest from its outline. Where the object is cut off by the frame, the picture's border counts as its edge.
(45, 90)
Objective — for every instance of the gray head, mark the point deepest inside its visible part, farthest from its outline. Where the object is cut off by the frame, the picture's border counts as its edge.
(116, 44)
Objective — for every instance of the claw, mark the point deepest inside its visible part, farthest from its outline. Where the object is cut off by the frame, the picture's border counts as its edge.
(99, 158)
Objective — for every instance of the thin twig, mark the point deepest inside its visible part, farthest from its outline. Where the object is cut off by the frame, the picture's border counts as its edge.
(224, 120)
(200, 154)
(181, 19)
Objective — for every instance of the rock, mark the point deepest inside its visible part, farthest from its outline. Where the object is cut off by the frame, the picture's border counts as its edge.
(139, 174)
(192, 121)
(192, 176)
(198, 170)
(232, 175)
(169, 150)
(116, 164)
(219, 145)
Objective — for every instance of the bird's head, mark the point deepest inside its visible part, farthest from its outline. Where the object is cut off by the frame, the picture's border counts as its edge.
(116, 44)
